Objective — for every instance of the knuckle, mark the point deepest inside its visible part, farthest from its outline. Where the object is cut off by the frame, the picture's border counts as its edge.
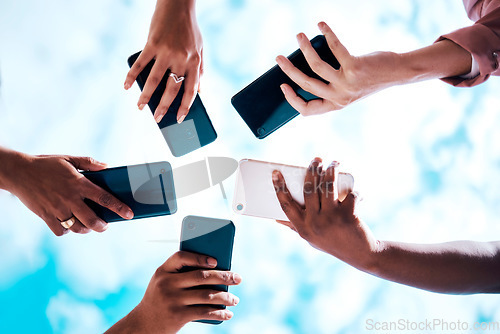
(285, 206)
(105, 199)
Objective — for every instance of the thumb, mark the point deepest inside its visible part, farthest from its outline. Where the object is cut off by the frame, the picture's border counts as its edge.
(351, 201)
(86, 163)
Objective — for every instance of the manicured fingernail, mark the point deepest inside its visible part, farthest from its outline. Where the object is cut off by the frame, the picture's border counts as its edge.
(129, 214)
(236, 278)
(335, 164)
(103, 225)
(141, 106)
(126, 85)
(236, 300)
(158, 118)
(279, 60)
(180, 118)
(276, 175)
(300, 36)
(283, 89)
(321, 25)
(211, 261)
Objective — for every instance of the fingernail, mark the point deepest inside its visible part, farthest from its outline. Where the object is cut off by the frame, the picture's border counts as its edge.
(180, 118)
(321, 25)
(276, 176)
(101, 163)
(335, 164)
(126, 85)
(211, 261)
(236, 278)
(283, 89)
(158, 118)
(300, 36)
(236, 300)
(141, 106)
(129, 214)
(279, 60)
(103, 225)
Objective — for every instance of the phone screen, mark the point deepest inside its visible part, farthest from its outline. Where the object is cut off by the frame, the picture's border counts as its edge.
(147, 189)
(262, 104)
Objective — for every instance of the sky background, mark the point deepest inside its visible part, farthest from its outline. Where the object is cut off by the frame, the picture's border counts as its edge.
(425, 157)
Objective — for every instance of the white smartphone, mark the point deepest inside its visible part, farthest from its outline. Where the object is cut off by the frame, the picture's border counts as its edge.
(254, 194)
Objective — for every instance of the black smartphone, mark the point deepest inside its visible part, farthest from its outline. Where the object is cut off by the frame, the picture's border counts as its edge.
(262, 104)
(211, 237)
(148, 189)
(194, 132)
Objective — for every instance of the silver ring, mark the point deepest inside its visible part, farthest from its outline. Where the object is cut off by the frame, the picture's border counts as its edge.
(177, 79)
(68, 223)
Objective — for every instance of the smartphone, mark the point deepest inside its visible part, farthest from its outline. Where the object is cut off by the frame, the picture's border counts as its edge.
(194, 132)
(211, 237)
(262, 104)
(148, 189)
(254, 194)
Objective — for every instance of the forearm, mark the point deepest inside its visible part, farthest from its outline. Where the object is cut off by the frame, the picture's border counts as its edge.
(459, 267)
(442, 59)
(9, 164)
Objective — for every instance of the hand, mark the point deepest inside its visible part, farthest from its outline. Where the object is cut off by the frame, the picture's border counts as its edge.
(356, 78)
(176, 44)
(169, 302)
(53, 189)
(325, 222)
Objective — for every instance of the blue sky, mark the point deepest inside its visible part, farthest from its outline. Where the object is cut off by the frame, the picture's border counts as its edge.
(425, 157)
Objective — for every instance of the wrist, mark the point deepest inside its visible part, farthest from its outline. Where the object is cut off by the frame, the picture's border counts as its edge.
(11, 163)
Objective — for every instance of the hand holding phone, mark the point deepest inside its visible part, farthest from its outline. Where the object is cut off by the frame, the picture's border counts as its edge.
(194, 131)
(211, 237)
(254, 194)
(148, 189)
(262, 104)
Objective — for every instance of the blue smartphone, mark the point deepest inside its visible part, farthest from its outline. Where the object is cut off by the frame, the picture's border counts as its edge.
(194, 132)
(262, 104)
(211, 237)
(148, 189)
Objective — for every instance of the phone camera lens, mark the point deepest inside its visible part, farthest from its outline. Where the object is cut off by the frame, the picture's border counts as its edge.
(191, 226)
(239, 207)
(261, 131)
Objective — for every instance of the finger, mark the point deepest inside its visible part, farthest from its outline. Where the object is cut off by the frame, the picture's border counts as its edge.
(56, 227)
(190, 91)
(210, 297)
(139, 65)
(328, 187)
(105, 199)
(338, 50)
(154, 79)
(169, 95)
(89, 219)
(311, 184)
(311, 85)
(350, 202)
(317, 64)
(207, 277)
(208, 313)
(78, 227)
(288, 224)
(182, 259)
(289, 206)
(306, 108)
(86, 163)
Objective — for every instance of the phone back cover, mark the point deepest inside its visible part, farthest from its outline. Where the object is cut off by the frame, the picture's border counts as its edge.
(194, 132)
(147, 189)
(212, 237)
(254, 194)
(262, 104)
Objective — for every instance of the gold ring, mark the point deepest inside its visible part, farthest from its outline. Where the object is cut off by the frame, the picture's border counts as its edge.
(68, 223)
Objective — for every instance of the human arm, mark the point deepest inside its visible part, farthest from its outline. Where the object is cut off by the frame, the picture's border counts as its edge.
(176, 44)
(53, 189)
(170, 302)
(333, 227)
(360, 76)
